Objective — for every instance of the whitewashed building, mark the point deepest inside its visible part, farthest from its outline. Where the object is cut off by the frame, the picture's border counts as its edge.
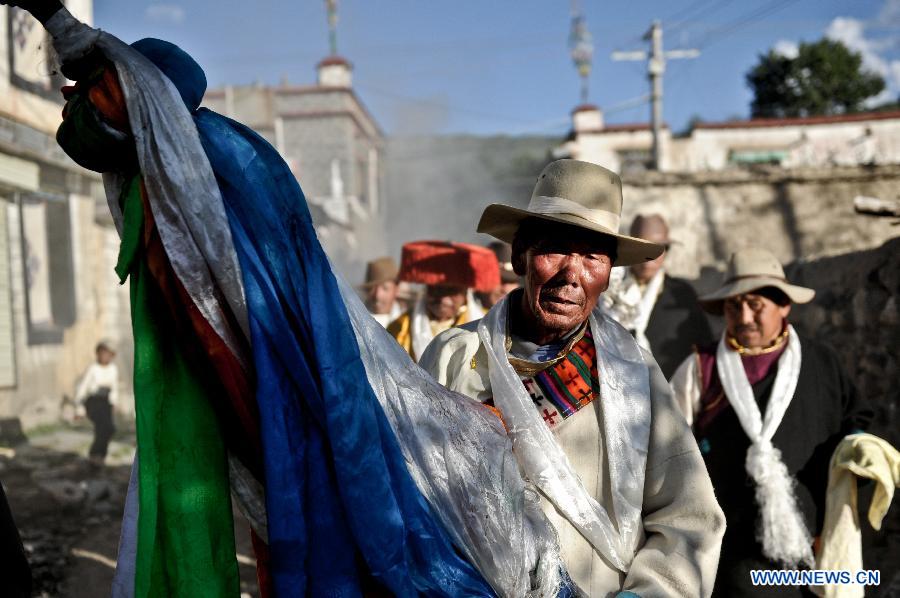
(58, 293)
(841, 140)
(334, 147)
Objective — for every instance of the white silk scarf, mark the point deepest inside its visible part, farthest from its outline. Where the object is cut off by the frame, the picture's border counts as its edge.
(625, 401)
(782, 531)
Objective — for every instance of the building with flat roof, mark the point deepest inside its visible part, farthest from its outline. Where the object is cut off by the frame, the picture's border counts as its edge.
(840, 140)
(59, 294)
(334, 147)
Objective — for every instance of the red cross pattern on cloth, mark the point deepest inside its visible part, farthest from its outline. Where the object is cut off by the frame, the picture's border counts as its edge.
(548, 417)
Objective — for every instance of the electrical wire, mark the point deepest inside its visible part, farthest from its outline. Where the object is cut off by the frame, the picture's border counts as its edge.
(748, 18)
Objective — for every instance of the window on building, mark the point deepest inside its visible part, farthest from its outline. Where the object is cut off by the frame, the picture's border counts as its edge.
(47, 266)
(31, 64)
(757, 156)
(635, 160)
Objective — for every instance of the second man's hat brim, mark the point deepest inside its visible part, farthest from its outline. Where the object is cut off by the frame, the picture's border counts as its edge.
(502, 222)
(713, 301)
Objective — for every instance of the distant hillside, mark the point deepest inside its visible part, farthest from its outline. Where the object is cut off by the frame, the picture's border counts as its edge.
(437, 187)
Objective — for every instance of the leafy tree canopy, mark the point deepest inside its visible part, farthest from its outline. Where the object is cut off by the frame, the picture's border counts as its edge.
(825, 77)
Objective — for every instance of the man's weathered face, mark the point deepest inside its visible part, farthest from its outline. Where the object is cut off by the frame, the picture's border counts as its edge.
(754, 320)
(443, 302)
(564, 277)
(381, 297)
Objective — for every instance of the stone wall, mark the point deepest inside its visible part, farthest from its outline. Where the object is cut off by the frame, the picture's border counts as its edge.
(857, 312)
(797, 214)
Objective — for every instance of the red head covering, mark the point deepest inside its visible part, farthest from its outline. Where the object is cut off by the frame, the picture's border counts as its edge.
(451, 264)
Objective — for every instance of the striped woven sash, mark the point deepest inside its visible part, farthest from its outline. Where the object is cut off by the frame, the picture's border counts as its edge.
(571, 384)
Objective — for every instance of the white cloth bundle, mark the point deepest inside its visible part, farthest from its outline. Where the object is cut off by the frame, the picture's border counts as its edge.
(632, 306)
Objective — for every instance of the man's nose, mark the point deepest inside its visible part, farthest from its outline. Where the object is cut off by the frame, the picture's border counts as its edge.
(747, 315)
(571, 268)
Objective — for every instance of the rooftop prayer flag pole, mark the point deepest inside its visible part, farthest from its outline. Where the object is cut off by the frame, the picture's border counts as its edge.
(581, 45)
(331, 7)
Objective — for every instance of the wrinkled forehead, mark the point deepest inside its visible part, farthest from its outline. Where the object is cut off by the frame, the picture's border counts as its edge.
(552, 236)
(765, 296)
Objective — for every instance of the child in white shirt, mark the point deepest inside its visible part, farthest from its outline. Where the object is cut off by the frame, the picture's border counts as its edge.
(98, 392)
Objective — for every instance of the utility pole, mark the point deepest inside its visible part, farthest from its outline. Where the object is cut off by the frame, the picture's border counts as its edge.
(656, 68)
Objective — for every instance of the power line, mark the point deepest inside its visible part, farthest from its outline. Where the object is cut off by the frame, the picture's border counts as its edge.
(695, 9)
(687, 22)
(748, 18)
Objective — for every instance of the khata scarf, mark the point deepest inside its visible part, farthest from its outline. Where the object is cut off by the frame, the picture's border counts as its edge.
(633, 308)
(625, 400)
(781, 531)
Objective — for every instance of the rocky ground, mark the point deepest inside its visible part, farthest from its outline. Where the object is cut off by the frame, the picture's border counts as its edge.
(69, 513)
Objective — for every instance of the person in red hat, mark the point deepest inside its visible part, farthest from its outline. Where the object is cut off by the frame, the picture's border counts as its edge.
(509, 280)
(449, 271)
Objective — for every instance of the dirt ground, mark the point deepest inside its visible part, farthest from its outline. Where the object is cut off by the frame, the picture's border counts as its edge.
(69, 514)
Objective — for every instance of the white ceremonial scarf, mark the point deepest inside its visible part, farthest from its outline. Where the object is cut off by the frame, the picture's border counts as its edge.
(782, 531)
(420, 323)
(385, 319)
(420, 328)
(632, 307)
(625, 401)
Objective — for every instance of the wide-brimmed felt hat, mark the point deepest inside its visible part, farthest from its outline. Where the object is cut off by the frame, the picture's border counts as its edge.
(438, 263)
(383, 269)
(579, 194)
(750, 270)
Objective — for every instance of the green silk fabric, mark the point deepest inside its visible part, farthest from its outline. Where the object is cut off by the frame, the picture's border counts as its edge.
(185, 541)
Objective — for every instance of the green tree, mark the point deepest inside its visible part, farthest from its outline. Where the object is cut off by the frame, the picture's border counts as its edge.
(825, 77)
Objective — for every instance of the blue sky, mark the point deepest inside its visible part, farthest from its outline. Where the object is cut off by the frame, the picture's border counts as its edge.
(503, 66)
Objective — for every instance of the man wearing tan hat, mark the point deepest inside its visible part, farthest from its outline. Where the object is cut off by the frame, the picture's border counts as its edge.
(591, 417)
(660, 310)
(450, 272)
(768, 408)
(380, 290)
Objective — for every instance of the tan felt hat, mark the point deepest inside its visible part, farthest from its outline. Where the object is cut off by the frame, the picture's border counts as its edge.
(380, 270)
(579, 194)
(750, 270)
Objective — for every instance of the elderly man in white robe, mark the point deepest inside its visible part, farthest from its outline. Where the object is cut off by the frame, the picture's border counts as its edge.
(591, 417)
